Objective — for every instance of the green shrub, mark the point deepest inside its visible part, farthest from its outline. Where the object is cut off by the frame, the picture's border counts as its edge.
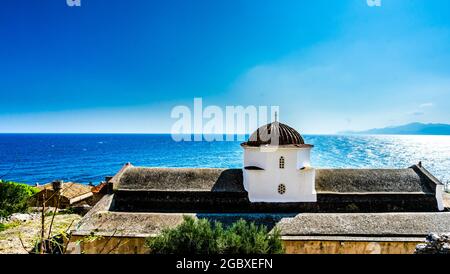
(6, 226)
(14, 197)
(203, 237)
(248, 238)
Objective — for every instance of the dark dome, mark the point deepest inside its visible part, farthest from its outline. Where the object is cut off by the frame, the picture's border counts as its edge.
(265, 134)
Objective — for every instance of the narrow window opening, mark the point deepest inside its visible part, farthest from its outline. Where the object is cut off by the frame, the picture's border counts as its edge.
(281, 162)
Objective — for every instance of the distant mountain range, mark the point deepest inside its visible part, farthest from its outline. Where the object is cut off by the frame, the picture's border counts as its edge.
(409, 129)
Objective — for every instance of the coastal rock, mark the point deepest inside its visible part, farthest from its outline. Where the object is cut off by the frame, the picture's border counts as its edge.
(435, 244)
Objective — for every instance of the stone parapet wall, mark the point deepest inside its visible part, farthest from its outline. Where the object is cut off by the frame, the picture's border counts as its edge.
(130, 245)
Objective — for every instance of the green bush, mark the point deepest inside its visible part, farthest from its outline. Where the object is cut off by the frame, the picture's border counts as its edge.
(247, 238)
(6, 226)
(203, 237)
(14, 197)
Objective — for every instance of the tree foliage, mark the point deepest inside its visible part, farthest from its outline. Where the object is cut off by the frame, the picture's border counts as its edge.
(204, 237)
(14, 197)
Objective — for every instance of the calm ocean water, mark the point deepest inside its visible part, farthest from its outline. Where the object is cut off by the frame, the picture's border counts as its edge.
(87, 158)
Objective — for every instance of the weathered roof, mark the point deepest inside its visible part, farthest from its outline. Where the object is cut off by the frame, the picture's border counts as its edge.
(140, 189)
(101, 221)
(184, 179)
(99, 188)
(408, 180)
(69, 190)
(275, 133)
(367, 224)
(372, 180)
(393, 226)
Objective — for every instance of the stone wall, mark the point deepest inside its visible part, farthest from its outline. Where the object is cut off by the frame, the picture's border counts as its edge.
(107, 245)
(124, 245)
(348, 247)
(237, 202)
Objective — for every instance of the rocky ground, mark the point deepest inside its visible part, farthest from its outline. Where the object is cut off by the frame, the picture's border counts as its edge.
(27, 227)
(435, 244)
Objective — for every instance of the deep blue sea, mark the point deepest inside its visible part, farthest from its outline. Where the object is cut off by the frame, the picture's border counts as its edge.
(85, 158)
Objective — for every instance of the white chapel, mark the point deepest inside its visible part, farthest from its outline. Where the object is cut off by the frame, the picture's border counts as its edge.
(277, 166)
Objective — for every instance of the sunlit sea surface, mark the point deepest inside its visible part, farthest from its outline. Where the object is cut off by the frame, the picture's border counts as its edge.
(85, 158)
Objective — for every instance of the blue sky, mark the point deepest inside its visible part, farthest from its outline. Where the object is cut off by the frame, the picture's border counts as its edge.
(121, 66)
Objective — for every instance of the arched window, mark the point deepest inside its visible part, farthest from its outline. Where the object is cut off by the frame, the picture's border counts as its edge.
(282, 162)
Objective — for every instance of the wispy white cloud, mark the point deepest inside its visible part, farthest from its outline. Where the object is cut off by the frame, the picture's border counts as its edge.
(426, 105)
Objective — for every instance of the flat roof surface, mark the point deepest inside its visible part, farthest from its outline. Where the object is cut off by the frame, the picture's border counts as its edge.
(331, 226)
(407, 180)
(143, 189)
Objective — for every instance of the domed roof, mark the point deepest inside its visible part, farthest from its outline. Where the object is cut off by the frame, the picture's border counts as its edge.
(268, 134)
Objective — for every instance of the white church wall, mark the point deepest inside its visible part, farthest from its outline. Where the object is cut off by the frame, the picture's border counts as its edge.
(262, 186)
(263, 189)
(304, 158)
(254, 157)
(439, 197)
